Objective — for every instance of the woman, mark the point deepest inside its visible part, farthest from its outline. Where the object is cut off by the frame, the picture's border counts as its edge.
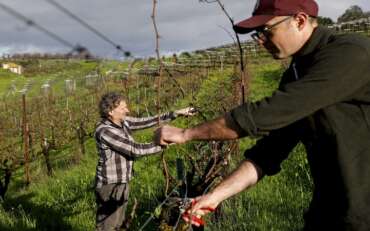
(117, 151)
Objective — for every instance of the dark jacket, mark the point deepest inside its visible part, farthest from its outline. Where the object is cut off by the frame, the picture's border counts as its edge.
(324, 102)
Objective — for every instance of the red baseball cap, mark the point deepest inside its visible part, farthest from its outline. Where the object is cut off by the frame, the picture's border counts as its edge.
(265, 10)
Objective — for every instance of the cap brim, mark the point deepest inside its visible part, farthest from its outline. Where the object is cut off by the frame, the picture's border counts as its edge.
(252, 23)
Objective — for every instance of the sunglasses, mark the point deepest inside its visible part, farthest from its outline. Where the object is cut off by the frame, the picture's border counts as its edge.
(264, 33)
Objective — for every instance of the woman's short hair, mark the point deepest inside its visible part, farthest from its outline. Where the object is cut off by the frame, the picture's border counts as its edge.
(108, 102)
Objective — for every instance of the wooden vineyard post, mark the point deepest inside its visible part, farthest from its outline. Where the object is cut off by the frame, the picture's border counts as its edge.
(25, 139)
(137, 96)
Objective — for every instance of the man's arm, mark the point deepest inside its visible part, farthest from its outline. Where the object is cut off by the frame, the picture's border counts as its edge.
(264, 158)
(223, 128)
(245, 176)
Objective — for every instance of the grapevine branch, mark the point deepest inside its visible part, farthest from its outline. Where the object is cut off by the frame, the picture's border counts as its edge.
(242, 66)
(160, 64)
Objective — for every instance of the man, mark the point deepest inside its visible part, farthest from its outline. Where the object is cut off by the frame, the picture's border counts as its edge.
(323, 101)
(117, 151)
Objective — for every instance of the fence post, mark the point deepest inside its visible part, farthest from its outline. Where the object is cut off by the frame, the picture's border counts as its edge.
(221, 63)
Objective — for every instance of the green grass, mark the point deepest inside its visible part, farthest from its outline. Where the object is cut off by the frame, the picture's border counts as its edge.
(7, 78)
(55, 72)
(61, 202)
(276, 203)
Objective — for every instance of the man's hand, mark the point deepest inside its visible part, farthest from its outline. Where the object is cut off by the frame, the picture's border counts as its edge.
(200, 206)
(168, 135)
(245, 176)
(189, 111)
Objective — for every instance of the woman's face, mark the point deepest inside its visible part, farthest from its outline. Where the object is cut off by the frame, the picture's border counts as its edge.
(119, 113)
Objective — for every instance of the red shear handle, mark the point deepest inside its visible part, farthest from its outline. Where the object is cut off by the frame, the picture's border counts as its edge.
(195, 219)
(193, 202)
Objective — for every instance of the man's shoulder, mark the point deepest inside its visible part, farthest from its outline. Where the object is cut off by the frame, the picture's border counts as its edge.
(343, 48)
(350, 40)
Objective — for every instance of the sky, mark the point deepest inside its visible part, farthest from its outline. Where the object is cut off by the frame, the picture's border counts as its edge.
(184, 25)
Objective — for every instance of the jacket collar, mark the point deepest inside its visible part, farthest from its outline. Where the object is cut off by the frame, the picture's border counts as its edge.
(319, 38)
(110, 123)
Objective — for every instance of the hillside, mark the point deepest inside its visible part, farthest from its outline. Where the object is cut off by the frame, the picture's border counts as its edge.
(63, 198)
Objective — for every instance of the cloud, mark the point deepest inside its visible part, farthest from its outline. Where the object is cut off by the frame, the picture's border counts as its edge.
(183, 25)
(26, 48)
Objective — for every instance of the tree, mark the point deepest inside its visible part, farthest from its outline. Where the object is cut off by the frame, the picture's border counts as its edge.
(325, 21)
(185, 54)
(353, 13)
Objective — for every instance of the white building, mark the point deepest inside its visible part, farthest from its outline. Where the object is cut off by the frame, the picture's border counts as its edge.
(15, 68)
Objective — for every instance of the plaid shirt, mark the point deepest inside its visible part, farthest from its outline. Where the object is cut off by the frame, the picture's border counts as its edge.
(117, 148)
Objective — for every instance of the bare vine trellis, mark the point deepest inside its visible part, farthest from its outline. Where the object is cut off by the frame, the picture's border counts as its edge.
(199, 172)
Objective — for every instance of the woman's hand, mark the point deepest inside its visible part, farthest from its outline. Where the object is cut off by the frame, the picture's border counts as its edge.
(188, 111)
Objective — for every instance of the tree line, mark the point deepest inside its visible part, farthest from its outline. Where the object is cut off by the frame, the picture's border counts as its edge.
(352, 13)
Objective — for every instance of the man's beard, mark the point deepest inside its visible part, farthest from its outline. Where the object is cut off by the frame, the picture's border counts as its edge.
(272, 49)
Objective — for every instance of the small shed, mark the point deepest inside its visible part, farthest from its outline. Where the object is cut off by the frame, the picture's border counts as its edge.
(15, 68)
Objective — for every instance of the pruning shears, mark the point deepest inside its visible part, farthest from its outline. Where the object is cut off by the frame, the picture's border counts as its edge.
(186, 215)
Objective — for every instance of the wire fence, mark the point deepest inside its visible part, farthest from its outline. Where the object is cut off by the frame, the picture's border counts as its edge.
(63, 108)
